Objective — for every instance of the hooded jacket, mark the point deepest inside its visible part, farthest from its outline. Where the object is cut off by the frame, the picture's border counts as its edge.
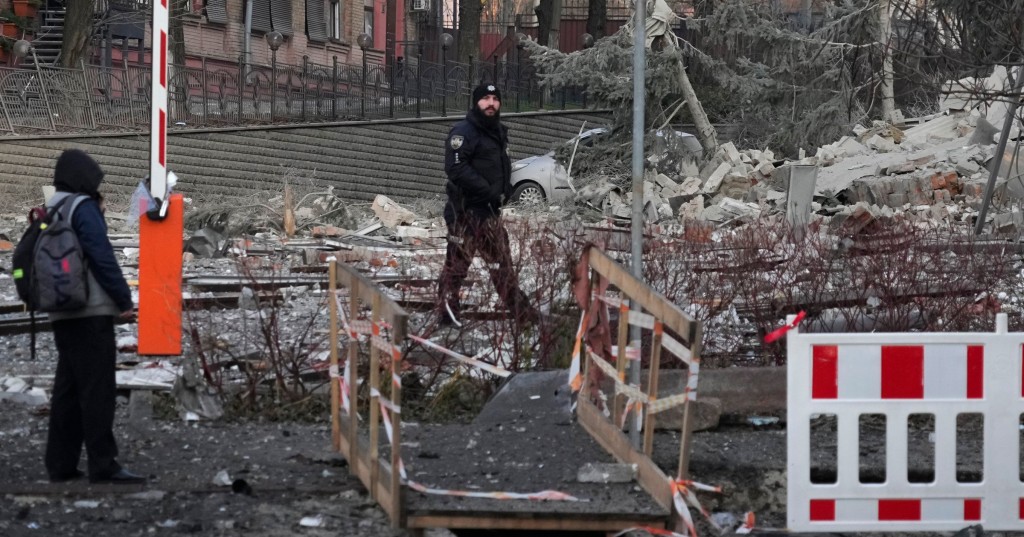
(478, 166)
(77, 173)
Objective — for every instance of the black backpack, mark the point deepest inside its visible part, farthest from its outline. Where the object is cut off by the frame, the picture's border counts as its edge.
(49, 268)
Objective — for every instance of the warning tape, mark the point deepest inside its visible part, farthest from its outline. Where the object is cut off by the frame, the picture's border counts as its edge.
(779, 332)
(385, 402)
(682, 495)
(575, 375)
(490, 368)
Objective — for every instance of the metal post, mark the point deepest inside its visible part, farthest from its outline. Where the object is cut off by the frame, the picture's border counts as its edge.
(519, 73)
(42, 89)
(391, 100)
(997, 160)
(419, 71)
(130, 92)
(444, 72)
(470, 83)
(206, 95)
(636, 231)
(273, 85)
(241, 85)
(304, 79)
(362, 95)
(88, 95)
(334, 89)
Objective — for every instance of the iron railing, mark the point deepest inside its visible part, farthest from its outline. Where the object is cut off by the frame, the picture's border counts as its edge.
(54, 99)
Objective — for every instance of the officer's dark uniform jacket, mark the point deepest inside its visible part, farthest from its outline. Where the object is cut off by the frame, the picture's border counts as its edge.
(478, 166)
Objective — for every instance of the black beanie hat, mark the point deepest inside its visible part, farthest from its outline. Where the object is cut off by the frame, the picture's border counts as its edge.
(77, 172)
(484, 90)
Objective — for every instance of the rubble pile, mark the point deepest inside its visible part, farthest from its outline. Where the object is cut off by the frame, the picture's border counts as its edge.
(935, 171)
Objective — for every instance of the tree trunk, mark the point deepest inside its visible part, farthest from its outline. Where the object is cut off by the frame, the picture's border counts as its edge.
(469, 30)
(597, 18)
(77, 32)
(176, 59)
(545, 13)
(885, 39)
(806, 15)
(706, 132)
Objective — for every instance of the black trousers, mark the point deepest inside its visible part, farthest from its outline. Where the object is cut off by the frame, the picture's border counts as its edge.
(469, 236)
(84, 396)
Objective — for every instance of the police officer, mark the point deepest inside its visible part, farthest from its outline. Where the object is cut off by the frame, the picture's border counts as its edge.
(479, 183)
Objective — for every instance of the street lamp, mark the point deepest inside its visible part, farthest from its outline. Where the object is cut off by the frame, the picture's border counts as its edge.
(364, 41)
(521, 40)
(446, 43)
(274, 41)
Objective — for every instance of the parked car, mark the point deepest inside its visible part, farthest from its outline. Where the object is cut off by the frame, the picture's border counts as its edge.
(542, 178)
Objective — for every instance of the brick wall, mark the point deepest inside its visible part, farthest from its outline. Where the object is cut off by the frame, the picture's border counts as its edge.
(402, 159)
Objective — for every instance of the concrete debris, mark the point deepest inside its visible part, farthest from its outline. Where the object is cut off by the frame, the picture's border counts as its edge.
(606, 472)
(392, 214)
(21, 391)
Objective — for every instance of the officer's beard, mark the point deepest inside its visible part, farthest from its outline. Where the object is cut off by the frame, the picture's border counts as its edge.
(490, 122)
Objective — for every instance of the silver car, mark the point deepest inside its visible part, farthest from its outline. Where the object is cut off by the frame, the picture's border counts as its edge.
(542, 178)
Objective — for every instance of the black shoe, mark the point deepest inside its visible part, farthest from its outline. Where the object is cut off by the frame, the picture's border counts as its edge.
(120, 477)
(64, 478)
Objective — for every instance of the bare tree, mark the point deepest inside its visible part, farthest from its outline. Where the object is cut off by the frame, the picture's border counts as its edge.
(78, 21)
(597, 17)
(545, 12)
(885, 40)
(469, 29)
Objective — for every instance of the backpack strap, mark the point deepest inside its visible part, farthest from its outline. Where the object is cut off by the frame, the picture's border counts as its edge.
(65, 210)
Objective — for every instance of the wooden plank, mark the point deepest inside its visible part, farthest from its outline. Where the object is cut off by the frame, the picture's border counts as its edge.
(352, 363)
(652, 387)
(335, 389)
(686, 431)
(620, 365)
(649, 299)
(517, 521)
(374, 423)
(651, 478)
(365, 289)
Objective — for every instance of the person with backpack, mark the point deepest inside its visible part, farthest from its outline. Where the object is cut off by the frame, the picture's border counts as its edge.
(84, 388)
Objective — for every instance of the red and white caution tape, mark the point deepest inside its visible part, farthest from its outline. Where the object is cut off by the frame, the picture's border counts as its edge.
(575, 370)
(682, 495)
(490, 368)
(749, 521)
(778, 333)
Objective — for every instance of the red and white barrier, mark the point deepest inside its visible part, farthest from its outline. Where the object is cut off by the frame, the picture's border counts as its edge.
(899, 375)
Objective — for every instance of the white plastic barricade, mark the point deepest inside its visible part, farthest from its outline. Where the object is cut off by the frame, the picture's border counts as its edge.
(897, 375)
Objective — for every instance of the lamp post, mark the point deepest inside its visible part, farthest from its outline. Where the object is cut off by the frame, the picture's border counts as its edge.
(364, 41)
(446, 43)
(520, 45)
(274, 41)
(23, 48)
(586, 41)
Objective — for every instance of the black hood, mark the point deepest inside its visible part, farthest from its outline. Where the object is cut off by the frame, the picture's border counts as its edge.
(77, 172)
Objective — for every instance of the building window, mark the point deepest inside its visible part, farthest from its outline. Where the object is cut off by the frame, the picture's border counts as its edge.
(368, 17)
(335, 27)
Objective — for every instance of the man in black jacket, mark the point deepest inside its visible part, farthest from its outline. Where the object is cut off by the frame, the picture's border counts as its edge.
(479, 182)
(84, 387)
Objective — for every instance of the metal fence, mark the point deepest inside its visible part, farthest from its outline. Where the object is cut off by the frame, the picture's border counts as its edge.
(53, 99)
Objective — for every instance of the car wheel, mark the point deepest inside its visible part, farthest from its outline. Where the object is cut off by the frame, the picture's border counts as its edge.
(528, 194)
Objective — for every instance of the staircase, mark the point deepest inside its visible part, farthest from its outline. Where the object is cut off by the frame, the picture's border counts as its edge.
(50, 36)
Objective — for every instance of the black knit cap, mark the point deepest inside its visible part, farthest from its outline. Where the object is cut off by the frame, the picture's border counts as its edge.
(484, 90)
(77, 172)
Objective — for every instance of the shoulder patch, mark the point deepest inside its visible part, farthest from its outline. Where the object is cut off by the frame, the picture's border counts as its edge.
(456, 141)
